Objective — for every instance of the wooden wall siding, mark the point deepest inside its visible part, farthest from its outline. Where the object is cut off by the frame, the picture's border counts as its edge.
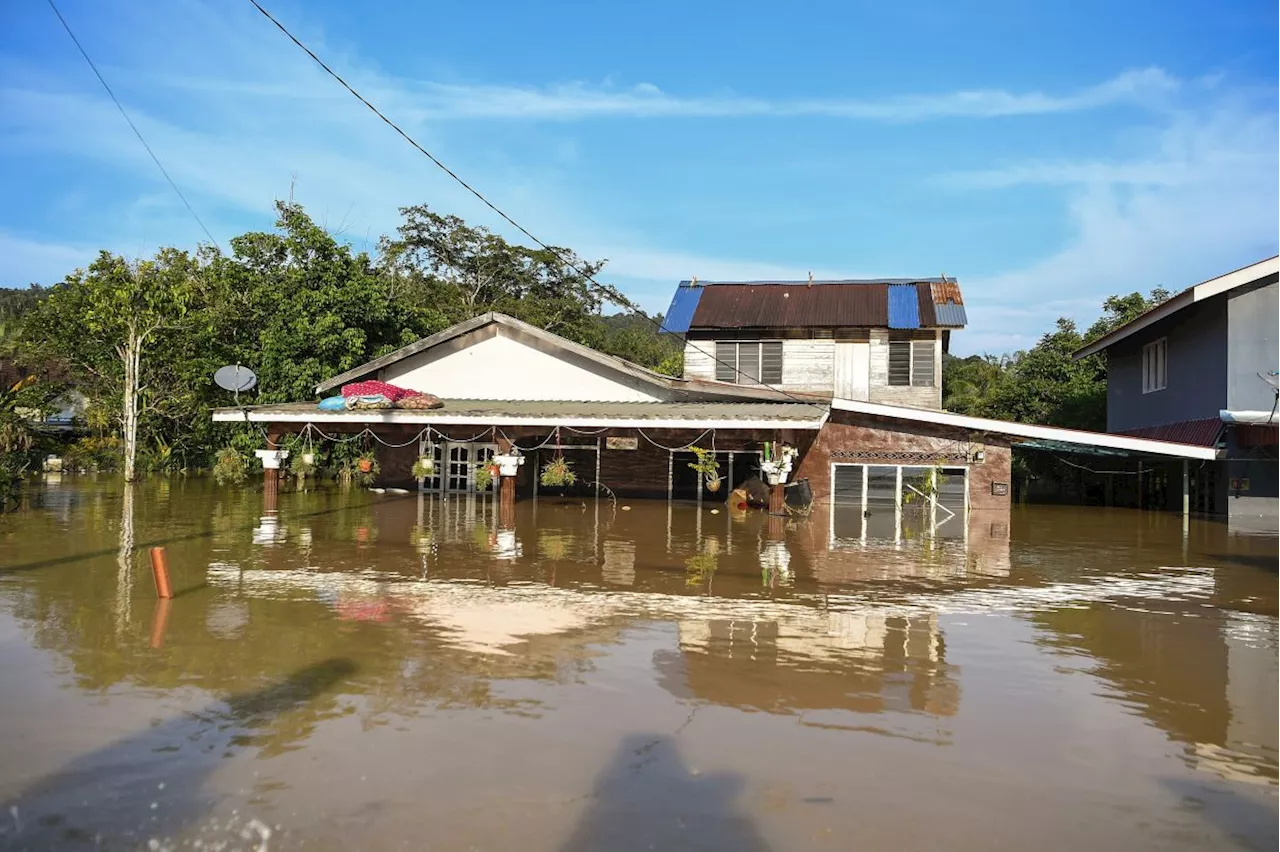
(699, 359)
(808, 365)
(848, 431)
(882, 391)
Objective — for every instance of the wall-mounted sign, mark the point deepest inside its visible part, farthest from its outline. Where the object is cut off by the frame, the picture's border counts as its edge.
(1000, 489)
(621, 443)
(1239, 484)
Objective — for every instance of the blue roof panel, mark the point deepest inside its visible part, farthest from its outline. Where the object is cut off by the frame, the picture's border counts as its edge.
(904, 306)
(683, 304)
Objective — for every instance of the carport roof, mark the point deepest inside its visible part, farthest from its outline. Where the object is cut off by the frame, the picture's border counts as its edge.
(1032, 435)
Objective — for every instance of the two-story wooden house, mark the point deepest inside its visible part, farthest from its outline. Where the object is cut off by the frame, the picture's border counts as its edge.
(1201, 369)
(875, 340)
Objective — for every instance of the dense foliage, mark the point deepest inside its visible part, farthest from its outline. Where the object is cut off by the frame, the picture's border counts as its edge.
(1043, 384)
(295, 305)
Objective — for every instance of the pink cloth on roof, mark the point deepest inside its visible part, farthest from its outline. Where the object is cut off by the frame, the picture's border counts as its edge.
(376, 388)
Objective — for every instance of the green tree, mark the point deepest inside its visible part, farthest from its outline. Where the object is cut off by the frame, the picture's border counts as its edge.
(107, 320)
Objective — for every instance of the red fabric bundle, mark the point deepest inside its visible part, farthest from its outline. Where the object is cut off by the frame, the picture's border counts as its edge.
(376, 388)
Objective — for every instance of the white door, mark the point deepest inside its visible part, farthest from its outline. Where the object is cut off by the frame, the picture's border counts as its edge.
(852, 370)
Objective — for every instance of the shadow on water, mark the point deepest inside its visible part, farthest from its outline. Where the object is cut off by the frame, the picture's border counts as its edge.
(150, 785)
(1249, 822)
(647, 798)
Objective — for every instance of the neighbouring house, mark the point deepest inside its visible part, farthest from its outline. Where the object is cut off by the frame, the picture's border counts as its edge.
(1201, 368)
(874, 340)
(857, 408)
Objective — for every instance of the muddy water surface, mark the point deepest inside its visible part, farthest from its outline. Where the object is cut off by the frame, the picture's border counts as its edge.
(366, 671)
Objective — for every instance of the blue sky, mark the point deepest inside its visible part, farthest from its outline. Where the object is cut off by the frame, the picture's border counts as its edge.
(1046, 154)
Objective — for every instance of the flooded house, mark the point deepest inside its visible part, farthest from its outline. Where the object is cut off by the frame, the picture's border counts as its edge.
(828, 390)
(1201, 369)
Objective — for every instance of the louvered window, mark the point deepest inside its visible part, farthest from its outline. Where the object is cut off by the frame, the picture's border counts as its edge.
(911, 360)
(749, 362)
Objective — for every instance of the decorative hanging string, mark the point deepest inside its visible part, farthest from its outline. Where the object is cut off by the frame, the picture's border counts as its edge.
(678, 449)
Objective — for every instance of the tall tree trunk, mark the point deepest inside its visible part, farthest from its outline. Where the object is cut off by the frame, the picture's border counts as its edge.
(132, 360)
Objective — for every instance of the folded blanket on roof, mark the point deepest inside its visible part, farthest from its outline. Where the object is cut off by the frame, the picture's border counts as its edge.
(420, 402)
(369, 402)
(376, 388)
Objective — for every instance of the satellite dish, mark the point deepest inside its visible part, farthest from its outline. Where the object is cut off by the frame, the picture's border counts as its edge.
(235, 378)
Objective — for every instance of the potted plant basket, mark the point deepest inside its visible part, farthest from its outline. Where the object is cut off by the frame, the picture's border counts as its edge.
(557, 473)
(707, 467)
(367, 468)
(424, 467)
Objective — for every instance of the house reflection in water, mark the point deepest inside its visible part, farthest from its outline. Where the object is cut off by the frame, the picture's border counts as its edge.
(861, 662)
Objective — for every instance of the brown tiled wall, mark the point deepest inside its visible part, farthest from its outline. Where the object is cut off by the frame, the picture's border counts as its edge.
(846, 431)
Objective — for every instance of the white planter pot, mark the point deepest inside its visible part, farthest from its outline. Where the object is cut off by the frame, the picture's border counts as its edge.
(271, 459)
(775, 473)
(508, 465)
(308, 458)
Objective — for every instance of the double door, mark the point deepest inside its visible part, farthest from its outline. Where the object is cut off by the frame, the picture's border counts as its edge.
(455, 466)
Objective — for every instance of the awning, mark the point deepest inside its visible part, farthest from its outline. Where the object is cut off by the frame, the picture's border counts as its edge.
(1203, 432)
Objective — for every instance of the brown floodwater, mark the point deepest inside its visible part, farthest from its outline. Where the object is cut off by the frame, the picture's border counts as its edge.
(384, 671)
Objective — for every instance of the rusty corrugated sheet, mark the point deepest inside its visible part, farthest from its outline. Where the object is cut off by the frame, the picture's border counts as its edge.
(792, 306)
(924, 299)
(948, 304)
(1201, 433)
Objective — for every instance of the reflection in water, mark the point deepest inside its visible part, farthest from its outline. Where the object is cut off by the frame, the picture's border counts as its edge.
(755, 651)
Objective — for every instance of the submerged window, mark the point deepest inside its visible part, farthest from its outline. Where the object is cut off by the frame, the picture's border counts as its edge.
(749, 362)
(1155, 365)
(911, 360)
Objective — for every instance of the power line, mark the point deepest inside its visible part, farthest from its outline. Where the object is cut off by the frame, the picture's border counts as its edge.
(132, 126)
(610, 293)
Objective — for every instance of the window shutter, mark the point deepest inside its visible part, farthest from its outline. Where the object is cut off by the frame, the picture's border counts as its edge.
(726, 361)
(922, 375)
(771, 362)
(899, 362)
(749, 363)
(846, 489)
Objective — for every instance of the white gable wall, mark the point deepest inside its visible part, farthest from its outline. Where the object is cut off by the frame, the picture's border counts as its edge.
(498, 367)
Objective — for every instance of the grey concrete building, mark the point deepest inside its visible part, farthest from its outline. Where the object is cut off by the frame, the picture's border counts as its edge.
(1201, 368)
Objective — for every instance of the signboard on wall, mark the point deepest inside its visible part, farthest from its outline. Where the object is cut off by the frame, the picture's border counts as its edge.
(1000, 489)
(621, 443)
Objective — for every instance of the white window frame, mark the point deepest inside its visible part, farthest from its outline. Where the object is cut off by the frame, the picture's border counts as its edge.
(738, 377)
(964, 519)
(1155, 365)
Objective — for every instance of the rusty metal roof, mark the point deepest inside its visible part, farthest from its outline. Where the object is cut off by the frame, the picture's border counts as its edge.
(1202, 432)
(826, 304)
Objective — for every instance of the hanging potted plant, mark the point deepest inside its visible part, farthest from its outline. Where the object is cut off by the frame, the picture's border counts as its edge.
(484, 475)
(707, 467)
(367, 468)
(303, 465)
(557, 472)
(424, 467)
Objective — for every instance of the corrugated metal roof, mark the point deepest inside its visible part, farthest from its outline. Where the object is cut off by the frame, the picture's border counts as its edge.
(1203, 432)
(513, 411)
(792, 306)
(822, 304)
(683, 304)
(948, 304)
(904, 306)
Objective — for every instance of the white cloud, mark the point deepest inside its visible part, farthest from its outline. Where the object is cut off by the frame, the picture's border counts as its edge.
(428, 100)
(29, 261)
(1204, 204)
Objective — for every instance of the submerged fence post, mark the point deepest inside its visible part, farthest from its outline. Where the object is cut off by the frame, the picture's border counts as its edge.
(160, 571)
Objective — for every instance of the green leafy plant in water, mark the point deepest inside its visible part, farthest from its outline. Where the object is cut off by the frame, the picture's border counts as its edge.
(231, 467)
(557, 472)
(484, 475)
(700, 568)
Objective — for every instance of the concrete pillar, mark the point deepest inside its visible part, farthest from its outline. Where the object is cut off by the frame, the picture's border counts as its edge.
(1186, 487)
(777, 500)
